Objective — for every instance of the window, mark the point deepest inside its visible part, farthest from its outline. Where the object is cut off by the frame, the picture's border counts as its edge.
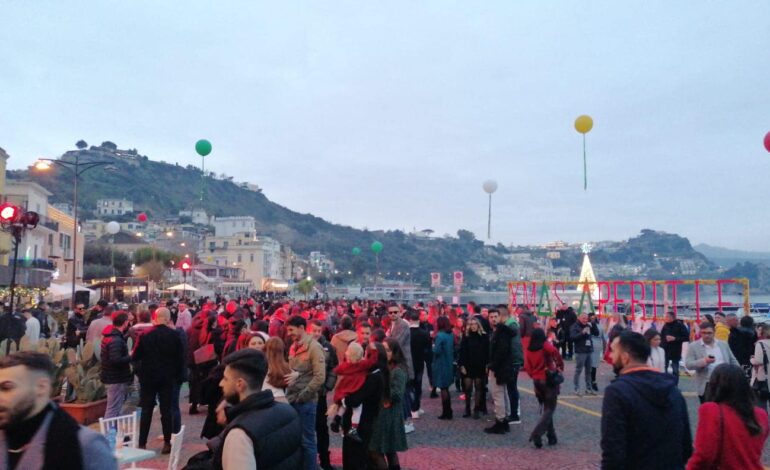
(239, 257)
(252, 258)
(226, 244)
(50, 239)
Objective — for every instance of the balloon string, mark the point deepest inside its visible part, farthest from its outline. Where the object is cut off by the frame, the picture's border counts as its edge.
(585, 166)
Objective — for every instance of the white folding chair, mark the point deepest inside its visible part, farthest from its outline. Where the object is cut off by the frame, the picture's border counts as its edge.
(176, 450)
(126, 426)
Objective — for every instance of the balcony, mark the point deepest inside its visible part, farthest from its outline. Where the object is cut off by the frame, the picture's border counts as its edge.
(48, 223)
(34, 264)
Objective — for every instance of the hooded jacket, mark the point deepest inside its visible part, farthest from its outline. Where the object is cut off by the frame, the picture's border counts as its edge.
(645, 423)
(340, 342)
(115, 359)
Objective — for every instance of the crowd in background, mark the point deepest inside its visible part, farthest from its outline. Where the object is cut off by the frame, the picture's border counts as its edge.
(275, 375)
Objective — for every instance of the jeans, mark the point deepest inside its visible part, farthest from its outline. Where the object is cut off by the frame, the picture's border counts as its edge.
(407, 401)
(674, 368)
(417, 387)
(116, 397)
(307, 413)
(500, 396)
(547, 397)
(164, 391)
(322, 429)
(513, 391)
(176, 413)
(582, 363)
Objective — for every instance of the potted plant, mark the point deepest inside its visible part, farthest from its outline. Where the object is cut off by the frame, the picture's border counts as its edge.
(84, 398)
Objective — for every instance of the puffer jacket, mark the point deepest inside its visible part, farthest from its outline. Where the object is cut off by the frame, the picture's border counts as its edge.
(115, 360)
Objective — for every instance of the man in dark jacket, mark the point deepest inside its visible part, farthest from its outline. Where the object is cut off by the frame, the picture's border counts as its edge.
(517, 356)
(639, 401)
(421, 347)
(321, 426)
(566, 317)
(116, 369)
(500, 366)
(76, 327)
(260, 433)
(41, 313)
(742, 339)
(672, 335)
(581, 334)
(161, 357)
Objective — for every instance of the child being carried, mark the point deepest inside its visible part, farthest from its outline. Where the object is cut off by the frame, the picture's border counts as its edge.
(351, 375)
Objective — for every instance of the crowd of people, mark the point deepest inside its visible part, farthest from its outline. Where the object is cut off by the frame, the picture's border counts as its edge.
(276, 376)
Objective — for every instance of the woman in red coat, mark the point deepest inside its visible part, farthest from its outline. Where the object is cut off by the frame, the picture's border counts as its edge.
(542, 356)
(731, 429)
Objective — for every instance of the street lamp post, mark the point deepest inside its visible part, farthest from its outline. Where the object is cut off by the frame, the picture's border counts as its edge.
(77, 168)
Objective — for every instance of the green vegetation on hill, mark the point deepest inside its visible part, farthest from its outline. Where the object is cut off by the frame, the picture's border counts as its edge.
(161, 190)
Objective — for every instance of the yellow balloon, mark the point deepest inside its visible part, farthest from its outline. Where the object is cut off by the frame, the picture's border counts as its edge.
(584, 124)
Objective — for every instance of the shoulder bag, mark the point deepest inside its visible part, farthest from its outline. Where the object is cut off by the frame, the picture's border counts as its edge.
(553, 378)
(205, 353)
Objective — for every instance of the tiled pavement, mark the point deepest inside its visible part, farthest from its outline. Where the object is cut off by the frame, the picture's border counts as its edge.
(461, 443)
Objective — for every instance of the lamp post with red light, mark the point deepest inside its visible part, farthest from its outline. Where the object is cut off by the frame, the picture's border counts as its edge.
(14, 220)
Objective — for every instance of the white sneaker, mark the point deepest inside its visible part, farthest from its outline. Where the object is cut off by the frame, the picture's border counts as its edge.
(408, 428)
(421, 411)
(415, 415)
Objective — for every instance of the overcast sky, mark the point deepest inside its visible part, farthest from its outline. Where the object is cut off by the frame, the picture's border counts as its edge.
(392, 114)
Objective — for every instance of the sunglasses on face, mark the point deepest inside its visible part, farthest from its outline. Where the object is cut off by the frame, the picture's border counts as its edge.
(393, 312)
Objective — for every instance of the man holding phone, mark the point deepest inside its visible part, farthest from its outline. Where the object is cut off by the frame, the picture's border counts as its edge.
(705, 354)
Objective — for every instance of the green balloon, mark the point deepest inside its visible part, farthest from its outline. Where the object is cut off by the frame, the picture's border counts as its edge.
(356, 251)
(376, 247)
(203, 147)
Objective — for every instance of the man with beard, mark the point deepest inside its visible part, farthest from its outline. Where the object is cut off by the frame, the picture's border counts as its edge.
(639, 401)
(34, 432)
(261, 433)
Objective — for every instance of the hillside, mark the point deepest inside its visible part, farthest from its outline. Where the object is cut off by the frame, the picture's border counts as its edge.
(161, 189)
(728, 257)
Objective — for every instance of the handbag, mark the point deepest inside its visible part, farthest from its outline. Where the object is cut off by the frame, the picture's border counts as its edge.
(553, 378)
(760, 386)
(205, 353)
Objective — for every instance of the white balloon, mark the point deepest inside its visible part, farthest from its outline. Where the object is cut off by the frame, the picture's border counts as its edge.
(489, 186)
(113, 228)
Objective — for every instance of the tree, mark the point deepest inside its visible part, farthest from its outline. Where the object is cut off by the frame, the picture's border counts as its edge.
(81, 144)
(97, 261)
(143, 255)
(305, 287)
(152, 269)
(109, 145)
(465, 235)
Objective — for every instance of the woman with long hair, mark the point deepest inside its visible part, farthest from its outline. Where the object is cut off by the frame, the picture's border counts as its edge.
(473, 360)
(657, 359)
(389, 436)
(761, 362)
(252, 339)
(543, 359)
(443, 362)
(277, 369)
(732, 430)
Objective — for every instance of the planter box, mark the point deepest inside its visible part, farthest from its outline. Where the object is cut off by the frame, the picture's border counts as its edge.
(86, 413)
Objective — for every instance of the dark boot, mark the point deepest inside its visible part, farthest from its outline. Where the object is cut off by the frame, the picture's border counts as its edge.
(537, 440)
(497, 428)
(552, 441)
(467, 413)
(433, 393)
